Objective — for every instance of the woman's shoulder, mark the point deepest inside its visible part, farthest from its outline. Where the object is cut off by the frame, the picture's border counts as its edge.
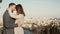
(21, 15)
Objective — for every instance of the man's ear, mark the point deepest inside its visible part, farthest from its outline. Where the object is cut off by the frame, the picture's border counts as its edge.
(0, 1)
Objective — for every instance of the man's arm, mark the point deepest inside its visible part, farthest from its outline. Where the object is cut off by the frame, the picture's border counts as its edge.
(12, 15)
(7, 23)
(10, 25)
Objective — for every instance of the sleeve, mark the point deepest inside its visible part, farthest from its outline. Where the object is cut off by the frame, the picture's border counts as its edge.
(7, 24)
(10, 25)
(12, 15)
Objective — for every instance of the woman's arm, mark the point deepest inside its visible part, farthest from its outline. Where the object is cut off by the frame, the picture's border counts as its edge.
(12, 15)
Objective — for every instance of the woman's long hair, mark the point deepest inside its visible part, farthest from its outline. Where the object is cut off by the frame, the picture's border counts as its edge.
(19, 9)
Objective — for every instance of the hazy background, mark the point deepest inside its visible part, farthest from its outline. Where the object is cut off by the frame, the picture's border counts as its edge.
(35, 8)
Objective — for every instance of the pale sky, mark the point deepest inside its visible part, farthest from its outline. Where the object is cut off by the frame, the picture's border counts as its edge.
(35, 8)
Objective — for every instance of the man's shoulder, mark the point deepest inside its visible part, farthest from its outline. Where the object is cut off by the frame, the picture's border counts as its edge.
(6, 11)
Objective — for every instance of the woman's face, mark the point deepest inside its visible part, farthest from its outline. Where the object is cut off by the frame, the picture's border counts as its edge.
(18, 10)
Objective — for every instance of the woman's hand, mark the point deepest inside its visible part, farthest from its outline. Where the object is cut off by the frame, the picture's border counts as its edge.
(19, 24)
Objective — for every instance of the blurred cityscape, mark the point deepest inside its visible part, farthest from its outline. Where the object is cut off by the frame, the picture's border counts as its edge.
(58, 19)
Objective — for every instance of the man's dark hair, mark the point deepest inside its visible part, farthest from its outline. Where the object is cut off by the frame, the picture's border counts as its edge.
(11, 4)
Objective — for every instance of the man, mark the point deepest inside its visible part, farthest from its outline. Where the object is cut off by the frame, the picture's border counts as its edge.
(8, 22)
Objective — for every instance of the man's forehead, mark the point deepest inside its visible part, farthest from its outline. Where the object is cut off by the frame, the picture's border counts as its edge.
(13, 5)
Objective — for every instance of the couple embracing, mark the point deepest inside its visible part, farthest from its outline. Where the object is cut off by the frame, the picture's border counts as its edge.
(13, 19)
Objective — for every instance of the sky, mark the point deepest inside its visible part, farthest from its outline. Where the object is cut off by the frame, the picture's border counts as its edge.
(35, 8)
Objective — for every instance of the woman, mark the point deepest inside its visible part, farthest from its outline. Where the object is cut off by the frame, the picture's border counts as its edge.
(20, 19)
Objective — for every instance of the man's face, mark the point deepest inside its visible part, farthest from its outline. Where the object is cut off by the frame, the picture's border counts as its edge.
(13, 7)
